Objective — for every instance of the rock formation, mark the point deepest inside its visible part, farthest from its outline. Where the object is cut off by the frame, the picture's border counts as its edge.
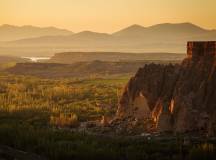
(175, 98)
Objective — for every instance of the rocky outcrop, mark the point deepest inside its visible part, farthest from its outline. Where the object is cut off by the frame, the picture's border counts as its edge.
(177, 98)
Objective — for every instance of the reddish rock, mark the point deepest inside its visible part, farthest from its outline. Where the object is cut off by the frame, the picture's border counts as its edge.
(178, 98)
(104, 121)
(196, 49)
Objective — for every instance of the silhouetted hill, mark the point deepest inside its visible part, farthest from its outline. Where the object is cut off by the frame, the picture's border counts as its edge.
(84, 37)
(188, 28)
(165, 37)
(10, 32)
(90, 35)
(166, 29)
(134, 30)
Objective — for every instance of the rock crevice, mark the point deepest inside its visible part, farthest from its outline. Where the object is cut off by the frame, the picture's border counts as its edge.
(177, 98)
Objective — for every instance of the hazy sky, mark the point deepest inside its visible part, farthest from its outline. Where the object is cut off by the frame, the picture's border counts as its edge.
(106, 15)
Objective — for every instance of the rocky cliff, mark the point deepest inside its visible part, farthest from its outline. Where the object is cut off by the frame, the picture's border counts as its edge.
(174, 98)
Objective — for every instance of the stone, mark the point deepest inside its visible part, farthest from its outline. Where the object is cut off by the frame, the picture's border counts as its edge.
(177, 98)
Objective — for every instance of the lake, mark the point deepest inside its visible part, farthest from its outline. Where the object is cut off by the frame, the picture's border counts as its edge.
(36, 59)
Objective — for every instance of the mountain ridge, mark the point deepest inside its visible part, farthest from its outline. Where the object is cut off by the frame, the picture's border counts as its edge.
(165, 37)
(138, 29)
(132, 28)
(12, 32)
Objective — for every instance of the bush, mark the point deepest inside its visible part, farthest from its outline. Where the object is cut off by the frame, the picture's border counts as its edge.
(203, 152)
(65, 120)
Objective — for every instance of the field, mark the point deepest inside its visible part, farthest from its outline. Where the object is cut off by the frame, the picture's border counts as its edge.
(29, 105)
(37, 115)
(87, 98)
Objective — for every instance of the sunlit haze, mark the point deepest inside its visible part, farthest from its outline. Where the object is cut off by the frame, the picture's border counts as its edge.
(106, 15)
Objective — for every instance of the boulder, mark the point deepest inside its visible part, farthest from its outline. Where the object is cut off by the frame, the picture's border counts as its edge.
(177, 98)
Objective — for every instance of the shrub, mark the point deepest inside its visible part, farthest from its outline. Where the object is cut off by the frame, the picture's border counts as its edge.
(65, 120)
(204, 151)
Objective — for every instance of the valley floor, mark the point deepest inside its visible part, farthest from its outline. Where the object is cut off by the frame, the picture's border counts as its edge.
(40, 117)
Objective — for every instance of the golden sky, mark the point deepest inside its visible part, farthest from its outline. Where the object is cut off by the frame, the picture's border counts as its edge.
(106, 15)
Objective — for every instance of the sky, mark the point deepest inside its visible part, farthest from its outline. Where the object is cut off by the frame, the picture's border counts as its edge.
(106, 15)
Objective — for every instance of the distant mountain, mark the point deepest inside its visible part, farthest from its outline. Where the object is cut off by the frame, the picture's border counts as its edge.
(10, 32)
(134, 30)
(165, 30)
(90, 35)
(81, 36)
(188, 28)
(165, 37)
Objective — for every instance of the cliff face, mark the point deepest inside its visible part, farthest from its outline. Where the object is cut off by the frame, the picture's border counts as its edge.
(177, 98)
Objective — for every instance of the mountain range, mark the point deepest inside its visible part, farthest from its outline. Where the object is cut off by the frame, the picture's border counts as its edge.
(166, 37)
(10, 32)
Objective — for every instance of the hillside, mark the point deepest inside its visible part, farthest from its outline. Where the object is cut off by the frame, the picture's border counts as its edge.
(79, 69)
(10, 61)
(71, 57)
